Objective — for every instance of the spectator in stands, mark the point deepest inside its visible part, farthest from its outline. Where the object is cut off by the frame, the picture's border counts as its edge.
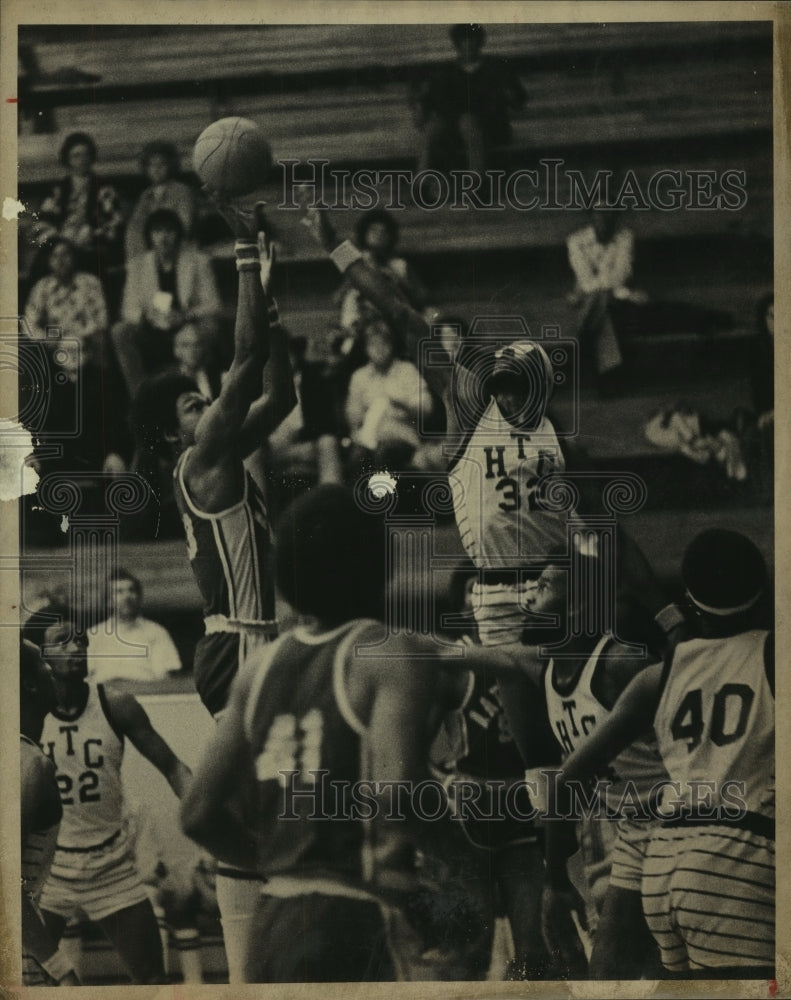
(127, 646)
(70, 300)
(167, 287)
(377, 237)
(84, 209)
(159, 163)
(464, 108)
(385, 398)
(193, 358)
(86, 413)
(601, 256)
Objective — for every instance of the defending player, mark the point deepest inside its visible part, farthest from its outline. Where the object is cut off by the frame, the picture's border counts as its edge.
(314, 710)
(222, 508)
(93, 872)
(497, 408)
(708, 881)
(41, 812)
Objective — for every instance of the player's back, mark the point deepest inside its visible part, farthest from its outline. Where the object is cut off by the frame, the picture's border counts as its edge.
(307, 746)
(715, 719)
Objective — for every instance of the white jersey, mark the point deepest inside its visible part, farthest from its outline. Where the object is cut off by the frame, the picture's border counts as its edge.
(574, 714)
(38, 848)
(87, 753)
(494, 492)
(715, 722)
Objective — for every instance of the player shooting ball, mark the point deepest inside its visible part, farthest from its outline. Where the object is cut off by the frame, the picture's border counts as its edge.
(222, 508)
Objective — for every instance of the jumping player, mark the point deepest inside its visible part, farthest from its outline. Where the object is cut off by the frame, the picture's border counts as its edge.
(93, 872)
(222, 507)
(311, 722)
(709, 875)
(42, 963)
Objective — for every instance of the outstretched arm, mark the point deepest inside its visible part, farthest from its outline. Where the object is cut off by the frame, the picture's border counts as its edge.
(130, 718)
(207, 816)
(391, 303)
(217, 434)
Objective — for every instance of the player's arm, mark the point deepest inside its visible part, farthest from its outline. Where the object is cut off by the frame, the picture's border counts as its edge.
(217, 434)
(392, 304)
(271, 409)
(402, 694)
(206, 813)
(130, 718)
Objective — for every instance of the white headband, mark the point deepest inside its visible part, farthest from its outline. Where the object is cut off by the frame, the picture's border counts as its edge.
(724, 612)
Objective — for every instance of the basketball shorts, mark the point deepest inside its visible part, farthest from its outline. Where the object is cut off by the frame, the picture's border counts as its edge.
(218, 657)
(94, 882)
(597, 839)
(316, 938)
(628, 853)
(709, 897)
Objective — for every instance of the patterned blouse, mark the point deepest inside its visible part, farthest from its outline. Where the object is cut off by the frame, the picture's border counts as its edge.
(78, 309)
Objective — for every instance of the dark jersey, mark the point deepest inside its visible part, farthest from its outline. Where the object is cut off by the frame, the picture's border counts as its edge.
(231, 558)
(230, 553)
(306, 744)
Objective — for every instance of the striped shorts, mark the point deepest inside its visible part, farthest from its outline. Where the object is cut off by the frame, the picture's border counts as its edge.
(628, 853)
(93, 883)
(709, 897)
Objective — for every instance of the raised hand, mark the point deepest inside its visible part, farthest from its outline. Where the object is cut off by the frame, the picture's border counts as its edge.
(266, 249)
(316, 220)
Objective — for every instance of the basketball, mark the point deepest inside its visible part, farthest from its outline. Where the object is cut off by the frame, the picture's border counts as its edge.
(232, 156)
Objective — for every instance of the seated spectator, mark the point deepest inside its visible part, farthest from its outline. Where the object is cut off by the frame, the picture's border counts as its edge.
(127, 646)
(167, 287)
(601, 256)
(464, 108)
(70, 300)
(84, 399)
(193, 358)
(159, 163)
(84, 209)
(385, 398)
(377, 237)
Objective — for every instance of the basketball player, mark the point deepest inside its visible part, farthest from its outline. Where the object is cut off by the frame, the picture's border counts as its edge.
(222, 507)
(41, 812)
(708, 880)
(497, 407)
(580, 691)
(307, 722)
(93, 872)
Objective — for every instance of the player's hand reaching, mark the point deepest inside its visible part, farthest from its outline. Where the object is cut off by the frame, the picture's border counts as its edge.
(245, 218)
(316, 220)
(266, 250)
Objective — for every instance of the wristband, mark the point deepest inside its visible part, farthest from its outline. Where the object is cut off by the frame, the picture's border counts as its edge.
(244, 246)
(670, 616)
(57, 966)
(248, 264)
(345, 255)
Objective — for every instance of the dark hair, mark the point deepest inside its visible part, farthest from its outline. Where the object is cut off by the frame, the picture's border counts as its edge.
(167, 150)
(330, 558)
(365, 222)
(53, 243)
(77, 139)
(461, 32)
(163, 218)
(724, 573)
(153, 412)
(124, 575)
